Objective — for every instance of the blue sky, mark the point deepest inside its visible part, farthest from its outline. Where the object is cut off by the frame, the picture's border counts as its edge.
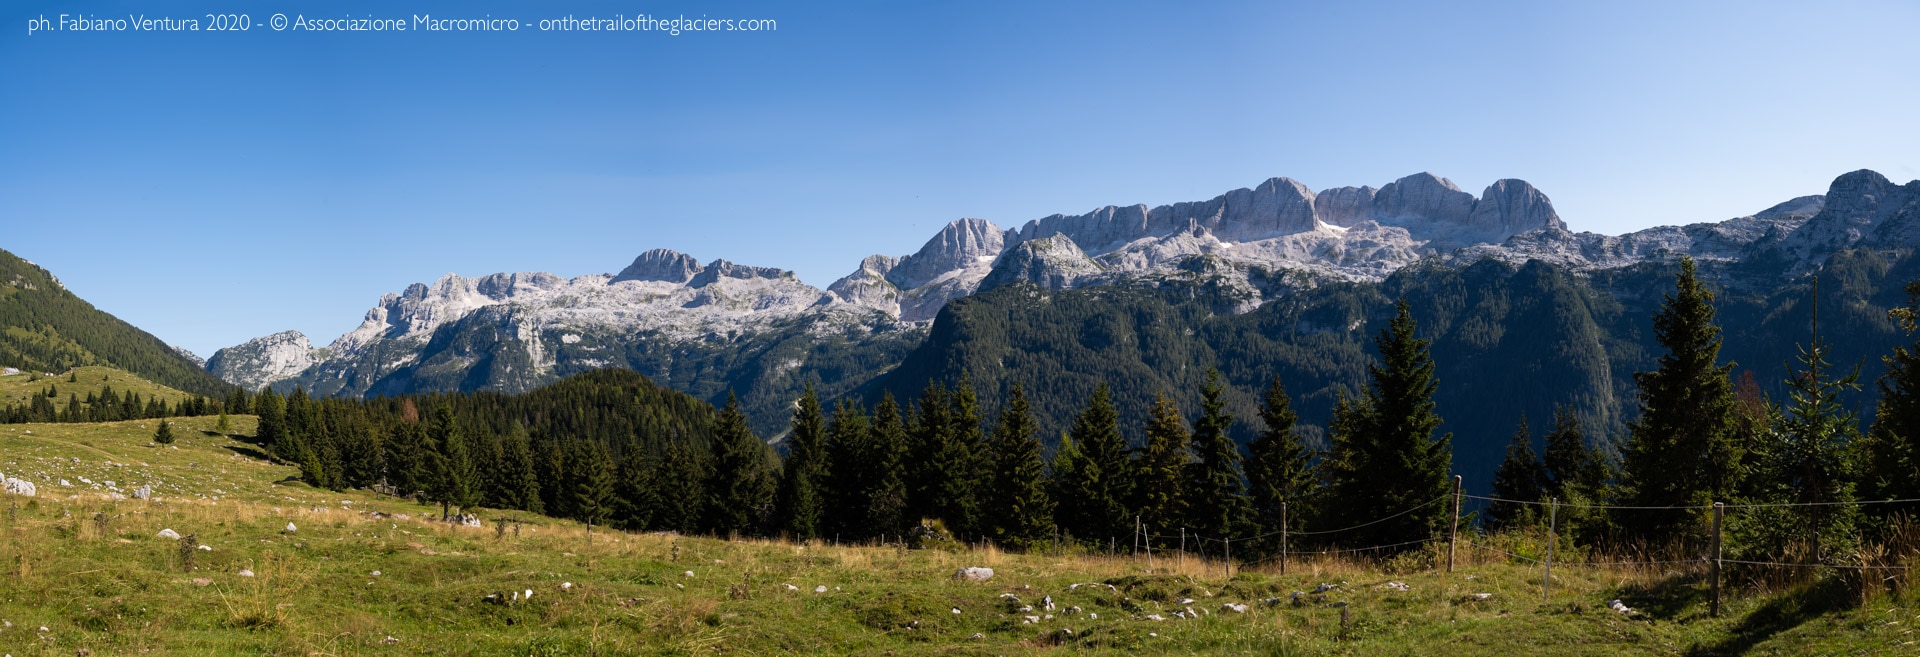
(211, 188)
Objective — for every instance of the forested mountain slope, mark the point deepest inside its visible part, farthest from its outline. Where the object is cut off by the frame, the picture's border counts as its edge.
(45, 327)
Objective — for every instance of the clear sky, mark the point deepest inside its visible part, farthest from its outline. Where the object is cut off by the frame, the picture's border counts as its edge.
(213, 187)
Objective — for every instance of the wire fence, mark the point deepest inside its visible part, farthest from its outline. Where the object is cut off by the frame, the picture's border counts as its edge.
(1712, 559)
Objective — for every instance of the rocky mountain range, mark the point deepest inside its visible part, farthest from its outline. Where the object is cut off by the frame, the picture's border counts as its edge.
(718, 327)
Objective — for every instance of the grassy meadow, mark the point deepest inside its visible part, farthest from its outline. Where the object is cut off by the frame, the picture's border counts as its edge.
(368, 574)
(21, 387)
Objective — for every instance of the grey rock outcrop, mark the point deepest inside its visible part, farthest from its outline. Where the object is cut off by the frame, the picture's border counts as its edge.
(261, 361)
(1345, 206)
(719, 269)
(1053, 262)
(665, 265)
(961, 245)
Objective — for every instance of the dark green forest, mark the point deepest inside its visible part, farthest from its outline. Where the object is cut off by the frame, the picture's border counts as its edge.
(1509, 342)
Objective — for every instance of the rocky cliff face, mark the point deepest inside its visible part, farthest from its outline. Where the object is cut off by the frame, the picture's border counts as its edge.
(261, 361)
(512, 331)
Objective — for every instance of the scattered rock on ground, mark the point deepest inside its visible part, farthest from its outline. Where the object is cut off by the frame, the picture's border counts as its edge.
(245, 572)
(974, 574)
(1399, 586)
(169, 533)
(1233, 607)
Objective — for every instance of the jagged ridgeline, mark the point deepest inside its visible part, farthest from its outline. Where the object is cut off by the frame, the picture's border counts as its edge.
(1274, 279)
(1508, 341)
(45, 328)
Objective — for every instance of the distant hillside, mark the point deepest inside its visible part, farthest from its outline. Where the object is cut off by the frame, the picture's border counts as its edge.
(45, 328)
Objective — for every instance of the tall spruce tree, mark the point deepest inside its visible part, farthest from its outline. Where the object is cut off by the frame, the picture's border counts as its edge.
(163, 434)
(519, 483)
(408, 457)
(1385, 459)
(636, 495)
(1680, 451)
(593, 482)
(959, 466)
(1216, 497)
(272, 430)
(1808, 460)
(803, 482)
(1017, 510)
(1519, 484)
(681, 487)
(849, 452)
(886, 497)
(1099, 479)
(1575, 469)
(928, 432)
(740, 487)
(453, 474)
(1892, 447)
(1160, 471)
(1280, 475)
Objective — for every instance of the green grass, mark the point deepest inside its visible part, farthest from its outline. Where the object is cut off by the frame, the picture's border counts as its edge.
(21, 387)
(113, 587)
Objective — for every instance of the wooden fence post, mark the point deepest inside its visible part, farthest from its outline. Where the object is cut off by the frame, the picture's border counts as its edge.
(1283, 538)
(1183, 547)
(1453, 532)
(1553, 522)
(1718, 509)
(1229, 544)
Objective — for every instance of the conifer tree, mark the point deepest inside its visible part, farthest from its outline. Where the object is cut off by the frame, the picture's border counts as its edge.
(1279, 466)
(593, 493)
(1679, 450)
(740, 488)
(1098, 480)
(550, 467)
(520, 485)
(1217, 502)
(1892, 446)
(803, 478)
(681, 485)
(927, 438)
(886, 497)
(408, 459)
(960, 465)
(1385, 459)
(164, 434)
(360, 450)
(1521, 479)
(1160, 470)
(1574, 468)
(453, 474)
(635, 495)
(223, 425)
(1808, 460)
(272, 430)
(1017, 509)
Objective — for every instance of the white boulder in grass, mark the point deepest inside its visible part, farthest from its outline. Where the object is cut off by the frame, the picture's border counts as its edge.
(169, 533)
(143, 493)
(566, 585)
(19, 487)
(246, 572)
(1234, 607)
(291, 528)
(974, 574)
